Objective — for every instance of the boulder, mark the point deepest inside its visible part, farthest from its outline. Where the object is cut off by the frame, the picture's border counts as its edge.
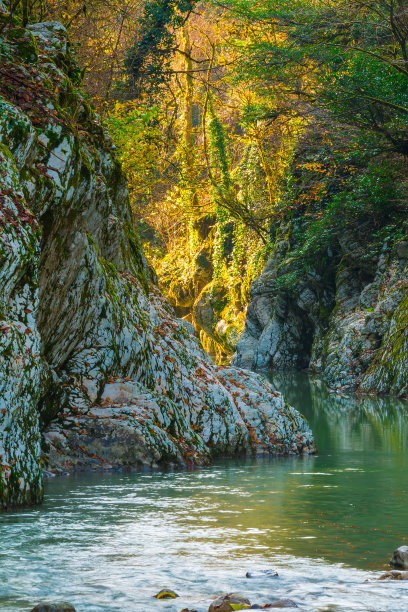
(51, 36)
(54, 607)
(402, 249)
(228, 602)
(400, 558)
(394, 575)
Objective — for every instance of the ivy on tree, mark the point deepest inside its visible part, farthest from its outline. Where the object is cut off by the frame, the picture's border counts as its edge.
(148, 60)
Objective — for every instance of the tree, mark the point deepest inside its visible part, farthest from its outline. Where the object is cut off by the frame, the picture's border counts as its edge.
(148, 58)
(346, 58)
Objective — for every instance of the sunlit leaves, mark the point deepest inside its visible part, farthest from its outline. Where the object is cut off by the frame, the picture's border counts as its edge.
(136, 130)
(349, 59)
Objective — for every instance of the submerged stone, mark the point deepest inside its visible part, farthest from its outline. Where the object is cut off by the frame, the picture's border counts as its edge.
(166, 594)
(262, 573)
(394, 575)
(281, 603)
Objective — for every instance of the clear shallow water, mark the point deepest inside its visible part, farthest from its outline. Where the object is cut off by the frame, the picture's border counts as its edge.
(110, 542)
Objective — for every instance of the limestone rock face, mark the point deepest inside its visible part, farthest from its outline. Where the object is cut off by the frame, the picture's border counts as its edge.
(346, 319)
(89, 352)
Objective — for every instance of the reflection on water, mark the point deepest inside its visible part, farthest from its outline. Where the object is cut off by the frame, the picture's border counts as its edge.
(347, 422)
(363, 450)
(108, 543)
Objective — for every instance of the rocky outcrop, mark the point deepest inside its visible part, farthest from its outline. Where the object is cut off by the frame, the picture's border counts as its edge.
(90, 353)
(285, 316)
(345, 318)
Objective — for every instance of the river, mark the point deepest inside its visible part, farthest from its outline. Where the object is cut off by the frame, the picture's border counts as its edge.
(326, 523)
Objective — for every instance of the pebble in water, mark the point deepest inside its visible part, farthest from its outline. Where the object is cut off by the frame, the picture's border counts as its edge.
(234, 601)
(282, 603)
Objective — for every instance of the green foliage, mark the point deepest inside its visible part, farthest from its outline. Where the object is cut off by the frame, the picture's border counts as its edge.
(348, 58)
(302, 125)
(148, 60)
(137, 132)
(371, 196)
(219, 155)
(221, 188)
(290, 280)
(365, 91)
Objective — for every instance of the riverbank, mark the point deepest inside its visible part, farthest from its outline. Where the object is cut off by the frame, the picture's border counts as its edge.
(326, 523)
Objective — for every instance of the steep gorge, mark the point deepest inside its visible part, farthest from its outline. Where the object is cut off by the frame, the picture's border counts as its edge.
(96, 371)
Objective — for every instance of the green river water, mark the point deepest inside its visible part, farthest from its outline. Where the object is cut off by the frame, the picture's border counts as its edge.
(328, 523)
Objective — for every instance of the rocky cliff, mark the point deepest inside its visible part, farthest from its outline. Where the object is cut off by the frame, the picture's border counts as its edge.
(95, 369)
(345, 318)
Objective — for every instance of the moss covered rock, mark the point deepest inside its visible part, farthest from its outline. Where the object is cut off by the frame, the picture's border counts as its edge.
(345, 317)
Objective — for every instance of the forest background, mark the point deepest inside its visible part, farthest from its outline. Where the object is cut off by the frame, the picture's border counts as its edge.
(242, 124)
